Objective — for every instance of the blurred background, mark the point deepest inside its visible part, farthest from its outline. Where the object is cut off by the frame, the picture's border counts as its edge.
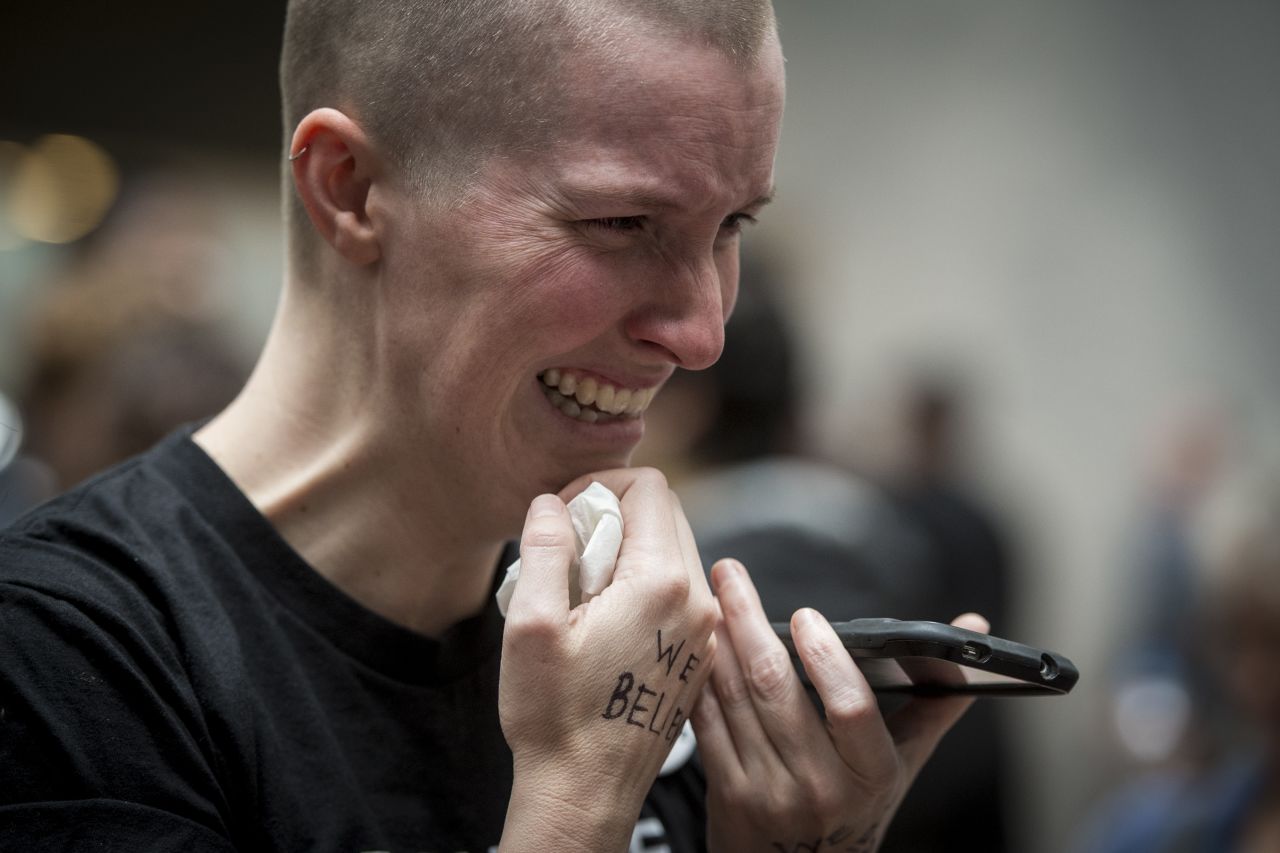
(1008, 337)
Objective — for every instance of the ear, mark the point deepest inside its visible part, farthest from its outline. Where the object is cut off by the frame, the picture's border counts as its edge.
(334, 164)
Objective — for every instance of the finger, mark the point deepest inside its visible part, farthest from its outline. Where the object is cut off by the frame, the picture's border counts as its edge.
(785, 712)
(699, 590)
(715, 741)
(853, 715)
(650, 544)
(972, 622)
(756, 753)
(689, 546)
(546, 555)
(617, 480)
(918, 726)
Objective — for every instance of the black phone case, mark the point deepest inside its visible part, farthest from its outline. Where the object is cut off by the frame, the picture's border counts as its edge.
(921, 650)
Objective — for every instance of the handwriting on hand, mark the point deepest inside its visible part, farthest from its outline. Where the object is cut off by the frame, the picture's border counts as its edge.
(627, 701)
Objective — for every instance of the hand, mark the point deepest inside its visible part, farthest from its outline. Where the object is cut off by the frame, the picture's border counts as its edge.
(591, 698)
(778, 778)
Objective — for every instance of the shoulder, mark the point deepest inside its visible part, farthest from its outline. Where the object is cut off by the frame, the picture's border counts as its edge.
(121, 536)
(101, 708)
(93, 544)
(82, 582)
(105, 576)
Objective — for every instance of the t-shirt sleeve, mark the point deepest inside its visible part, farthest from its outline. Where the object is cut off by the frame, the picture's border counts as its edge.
(101, 739)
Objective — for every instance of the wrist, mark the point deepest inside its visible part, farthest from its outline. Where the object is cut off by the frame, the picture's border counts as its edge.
(568, 810)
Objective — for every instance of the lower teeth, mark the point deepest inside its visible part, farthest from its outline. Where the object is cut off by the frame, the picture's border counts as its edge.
(572, 408)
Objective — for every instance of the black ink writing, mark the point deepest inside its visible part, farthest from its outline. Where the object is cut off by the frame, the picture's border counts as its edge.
(632, 699)
(619, 697)
(621, 702)
(799, 847)
(689, 666)
(865, 842)
(626, 699)
(677, 720)
(662, 697)
(842, 834)
(636, 706)
(670, 653)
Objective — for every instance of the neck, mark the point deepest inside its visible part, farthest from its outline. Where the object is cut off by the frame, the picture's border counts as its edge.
(316, 450)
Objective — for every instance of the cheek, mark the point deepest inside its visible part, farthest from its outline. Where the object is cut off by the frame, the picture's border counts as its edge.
(572, 297)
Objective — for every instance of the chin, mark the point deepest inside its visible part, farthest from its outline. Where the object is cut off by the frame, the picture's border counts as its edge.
(554, 482)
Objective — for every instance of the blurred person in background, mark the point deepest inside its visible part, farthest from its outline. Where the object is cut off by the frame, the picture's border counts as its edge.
(126, 343)
(816, 534)
(926, 481)
(1226, 800)
(1162, 700)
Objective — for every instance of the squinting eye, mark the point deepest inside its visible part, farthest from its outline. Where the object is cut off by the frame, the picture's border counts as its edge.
(617, 223)
(733, 223)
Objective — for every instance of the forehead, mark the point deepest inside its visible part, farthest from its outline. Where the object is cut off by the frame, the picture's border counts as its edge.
(666, 116)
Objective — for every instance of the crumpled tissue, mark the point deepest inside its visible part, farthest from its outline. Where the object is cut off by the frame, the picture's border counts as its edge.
(597, 526)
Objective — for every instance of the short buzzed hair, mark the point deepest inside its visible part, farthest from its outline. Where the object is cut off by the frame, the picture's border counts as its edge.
(441, 84)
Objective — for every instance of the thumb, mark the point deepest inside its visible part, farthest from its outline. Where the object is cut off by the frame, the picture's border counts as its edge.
(546, 556)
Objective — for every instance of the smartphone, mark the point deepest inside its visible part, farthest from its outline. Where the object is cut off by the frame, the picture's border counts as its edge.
(929, 658)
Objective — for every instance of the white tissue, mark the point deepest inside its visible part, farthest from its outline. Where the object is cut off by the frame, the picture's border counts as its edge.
(597, 526)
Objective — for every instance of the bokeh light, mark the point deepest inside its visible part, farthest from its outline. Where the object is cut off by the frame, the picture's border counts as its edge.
(61, 189)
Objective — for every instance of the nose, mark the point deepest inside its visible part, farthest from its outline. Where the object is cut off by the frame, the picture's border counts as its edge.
(684, 317)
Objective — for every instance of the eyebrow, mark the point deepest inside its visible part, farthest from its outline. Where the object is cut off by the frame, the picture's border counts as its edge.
(646, 198)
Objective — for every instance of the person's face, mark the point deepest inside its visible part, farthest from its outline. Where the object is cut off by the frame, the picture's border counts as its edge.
(602, 264)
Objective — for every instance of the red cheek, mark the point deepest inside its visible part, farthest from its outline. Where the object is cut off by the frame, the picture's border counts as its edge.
(576, 303)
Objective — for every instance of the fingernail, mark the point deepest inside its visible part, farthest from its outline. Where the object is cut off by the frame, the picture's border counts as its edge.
(807, 617)
(544, 506)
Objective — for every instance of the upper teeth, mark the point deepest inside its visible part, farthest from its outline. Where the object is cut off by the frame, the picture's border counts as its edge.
(587, 396)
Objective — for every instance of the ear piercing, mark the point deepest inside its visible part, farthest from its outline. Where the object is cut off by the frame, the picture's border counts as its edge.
(300, 152)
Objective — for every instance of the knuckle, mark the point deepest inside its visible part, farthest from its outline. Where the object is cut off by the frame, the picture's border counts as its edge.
(846, 706)
(541, 537)
(824, 655)
(735, 606)
(533, 628)
(734, 693)
(879, 775)
(823, 798)
(770, 675)
(672, 588)
(704, 616)
(651, 478)
(737, 794)
(778, 806)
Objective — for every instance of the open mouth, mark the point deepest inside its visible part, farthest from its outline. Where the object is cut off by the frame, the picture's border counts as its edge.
(592, 400)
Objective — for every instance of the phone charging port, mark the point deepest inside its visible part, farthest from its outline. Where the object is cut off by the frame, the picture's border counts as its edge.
(1048, 668)
(975, 652)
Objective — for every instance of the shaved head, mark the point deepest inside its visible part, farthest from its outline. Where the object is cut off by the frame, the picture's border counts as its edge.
(442, 85)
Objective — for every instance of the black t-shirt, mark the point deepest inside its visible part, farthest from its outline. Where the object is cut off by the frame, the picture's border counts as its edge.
(173, 676)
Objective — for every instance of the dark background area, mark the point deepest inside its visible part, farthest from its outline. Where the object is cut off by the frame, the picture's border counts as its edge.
(90, 68)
